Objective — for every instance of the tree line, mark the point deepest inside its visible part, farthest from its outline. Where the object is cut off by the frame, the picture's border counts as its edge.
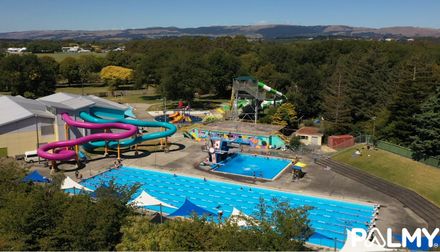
(350, 86)
(42, 217)
(358, 87)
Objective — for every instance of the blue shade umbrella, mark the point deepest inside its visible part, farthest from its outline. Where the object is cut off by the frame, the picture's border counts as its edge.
(188, 208)
(35, 176)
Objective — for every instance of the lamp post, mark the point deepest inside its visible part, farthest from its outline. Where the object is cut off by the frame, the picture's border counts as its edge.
(374, 126)
(37, 132)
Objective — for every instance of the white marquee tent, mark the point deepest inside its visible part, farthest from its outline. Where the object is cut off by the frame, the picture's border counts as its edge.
(145, 199)
(69, 183)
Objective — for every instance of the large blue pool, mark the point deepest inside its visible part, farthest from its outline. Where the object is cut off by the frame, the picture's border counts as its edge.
(329, 218)
(253, 165)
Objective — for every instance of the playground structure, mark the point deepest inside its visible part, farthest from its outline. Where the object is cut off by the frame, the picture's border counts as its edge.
(180, 116)
(69, 149)
(248, 96)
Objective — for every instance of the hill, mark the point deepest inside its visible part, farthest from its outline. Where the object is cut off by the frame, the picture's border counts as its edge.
(251, 31)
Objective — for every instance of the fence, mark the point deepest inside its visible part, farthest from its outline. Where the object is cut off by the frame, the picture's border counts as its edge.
(405, 152)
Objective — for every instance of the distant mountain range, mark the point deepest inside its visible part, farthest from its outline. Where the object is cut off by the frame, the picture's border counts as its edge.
(251, 31)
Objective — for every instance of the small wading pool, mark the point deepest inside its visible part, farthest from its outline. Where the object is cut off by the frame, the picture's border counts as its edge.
(248, 165)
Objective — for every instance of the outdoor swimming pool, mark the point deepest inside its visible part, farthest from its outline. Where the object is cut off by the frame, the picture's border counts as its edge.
(329, 218)
(253, 165)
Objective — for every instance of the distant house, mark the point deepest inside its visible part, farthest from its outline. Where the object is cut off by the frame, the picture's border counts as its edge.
(309, 135)
(16, 50)
(119, 49)
(70, 49)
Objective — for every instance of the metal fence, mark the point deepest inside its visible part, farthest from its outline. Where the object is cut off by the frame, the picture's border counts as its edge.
(405, 152)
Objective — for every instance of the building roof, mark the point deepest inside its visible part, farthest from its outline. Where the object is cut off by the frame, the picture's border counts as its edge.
(16, 108)
(309, 131)
(74, 102)
(104, 103)
(66, 101)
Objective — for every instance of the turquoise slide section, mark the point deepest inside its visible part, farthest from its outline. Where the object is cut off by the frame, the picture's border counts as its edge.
(170, 129)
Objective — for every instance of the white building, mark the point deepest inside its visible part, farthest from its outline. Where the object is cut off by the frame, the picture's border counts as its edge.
(16, 50)
(24, 125)
(70, 49)
(309, 135)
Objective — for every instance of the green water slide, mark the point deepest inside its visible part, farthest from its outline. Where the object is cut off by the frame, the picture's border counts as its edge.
(267, 103)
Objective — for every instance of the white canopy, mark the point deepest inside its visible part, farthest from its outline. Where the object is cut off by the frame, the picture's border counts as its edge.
(239, 217)
(69, 183)
(352, 245)
(145, 199)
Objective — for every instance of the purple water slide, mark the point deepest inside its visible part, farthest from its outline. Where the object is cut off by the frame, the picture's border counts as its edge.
(61, 153)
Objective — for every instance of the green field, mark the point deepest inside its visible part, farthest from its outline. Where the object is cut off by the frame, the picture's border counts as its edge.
(197, 103)
(60, 56)
(78, 90)
(149, 97)
(416, 176)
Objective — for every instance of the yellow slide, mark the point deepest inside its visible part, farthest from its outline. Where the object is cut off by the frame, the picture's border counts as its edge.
(177, 118)
(174, 115)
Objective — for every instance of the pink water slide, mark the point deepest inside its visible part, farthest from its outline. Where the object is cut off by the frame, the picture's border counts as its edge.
(61, 151)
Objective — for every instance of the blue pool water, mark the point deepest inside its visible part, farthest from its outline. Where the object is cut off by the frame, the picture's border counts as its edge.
(250, 165)
(329, 218)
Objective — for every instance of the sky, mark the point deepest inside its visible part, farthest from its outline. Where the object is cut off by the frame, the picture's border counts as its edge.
(24, 15)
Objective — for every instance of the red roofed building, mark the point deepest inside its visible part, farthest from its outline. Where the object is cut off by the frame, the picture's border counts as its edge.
(309, 135)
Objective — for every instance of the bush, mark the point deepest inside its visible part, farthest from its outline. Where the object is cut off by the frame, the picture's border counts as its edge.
(211, 118)
(294, 142)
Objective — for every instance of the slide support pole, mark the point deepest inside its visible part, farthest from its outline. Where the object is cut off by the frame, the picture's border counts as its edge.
(106, 144)
(119, 151)
(66, 133)
(77, 152)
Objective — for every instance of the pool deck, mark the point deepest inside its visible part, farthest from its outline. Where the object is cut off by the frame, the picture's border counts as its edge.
(185, 154)
(318, 181)
(243, 127)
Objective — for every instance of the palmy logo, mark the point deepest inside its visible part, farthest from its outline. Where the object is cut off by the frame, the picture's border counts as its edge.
(374, 240)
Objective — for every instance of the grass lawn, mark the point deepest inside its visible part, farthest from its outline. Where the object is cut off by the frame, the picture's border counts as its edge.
(78, 90)
(197, 103)
(149, 97)
(137, 98)
(60, 56)
(416, 176)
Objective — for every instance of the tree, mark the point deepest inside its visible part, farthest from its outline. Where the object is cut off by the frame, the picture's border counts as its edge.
(285, 115)
(336, 108)
(183, 77)
(118, 58)
(223, 67)
(35, 217)
(305, 90)
(70, 70)
(295, 142)
(89, 67)
(286, 228)
(28, 75)
(417, 85)
(115, 76)
(426, 141)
